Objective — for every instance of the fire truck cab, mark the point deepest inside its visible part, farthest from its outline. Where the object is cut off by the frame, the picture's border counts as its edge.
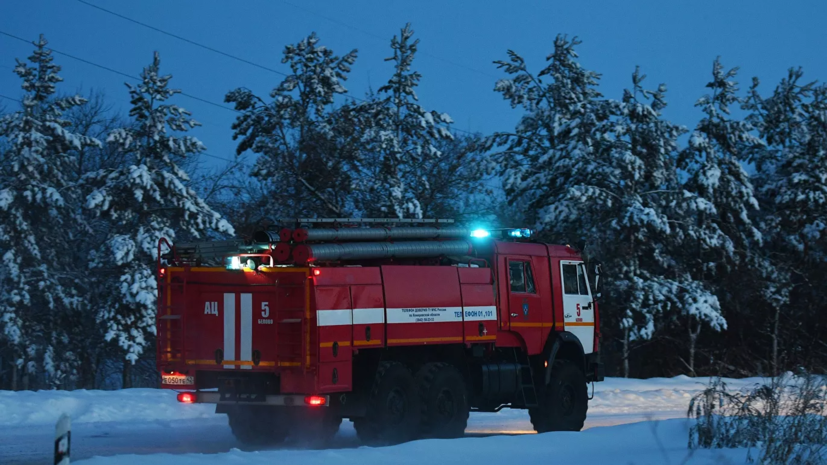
(402, 328)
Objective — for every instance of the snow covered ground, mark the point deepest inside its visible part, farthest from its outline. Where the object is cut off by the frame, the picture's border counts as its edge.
(120, 427)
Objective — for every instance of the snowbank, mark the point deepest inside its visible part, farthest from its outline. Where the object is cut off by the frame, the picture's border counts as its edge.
(638, 444)
(28, 408)
(658, 397)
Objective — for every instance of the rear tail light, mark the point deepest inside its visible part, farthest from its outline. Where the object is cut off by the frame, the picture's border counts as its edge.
(186, 397)
(315, 401)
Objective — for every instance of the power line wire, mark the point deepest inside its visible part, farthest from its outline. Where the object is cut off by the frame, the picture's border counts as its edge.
(122, 74)
(216, 157)
(106, 68)
(9, 98)
(197, 44)
(234, 57)
(193, 97)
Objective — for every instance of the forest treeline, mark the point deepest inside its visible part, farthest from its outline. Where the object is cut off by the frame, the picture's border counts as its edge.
(712, 238)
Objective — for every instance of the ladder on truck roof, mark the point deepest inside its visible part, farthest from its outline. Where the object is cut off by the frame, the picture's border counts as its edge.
(368, 220)
(292, 321)
(169, 322)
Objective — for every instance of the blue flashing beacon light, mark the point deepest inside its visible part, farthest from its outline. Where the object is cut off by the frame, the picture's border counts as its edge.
(480, 233)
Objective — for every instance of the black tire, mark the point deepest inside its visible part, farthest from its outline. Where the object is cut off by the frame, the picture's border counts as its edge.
(393, 411)
(444, 400)
(258, 426)
(564, 402)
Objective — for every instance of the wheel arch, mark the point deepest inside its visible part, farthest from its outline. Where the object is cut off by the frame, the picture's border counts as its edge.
(563, 345)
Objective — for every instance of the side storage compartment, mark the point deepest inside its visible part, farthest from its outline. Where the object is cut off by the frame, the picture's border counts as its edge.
(349, 314)
(423, 305)
(478, 307)
(334, 322)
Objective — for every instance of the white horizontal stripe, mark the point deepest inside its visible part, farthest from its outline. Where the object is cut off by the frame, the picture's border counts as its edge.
(333, 317)
(424, 314)
(481, 313)
(368, 316)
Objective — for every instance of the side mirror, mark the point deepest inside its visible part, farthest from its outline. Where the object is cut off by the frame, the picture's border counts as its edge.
(598, 267)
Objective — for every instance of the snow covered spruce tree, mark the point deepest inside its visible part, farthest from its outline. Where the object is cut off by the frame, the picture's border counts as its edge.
(549, 161)
(720, 198)
(725, 231)
(795, 179)
(401, 140)
(303, 161)
(145, 200)
(637, 230)
(39, 221)
(791, 186)
(721, 236)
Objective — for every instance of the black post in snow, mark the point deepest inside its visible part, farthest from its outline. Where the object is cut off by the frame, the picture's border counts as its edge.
(63, 440)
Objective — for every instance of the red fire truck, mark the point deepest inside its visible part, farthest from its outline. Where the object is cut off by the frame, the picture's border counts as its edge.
(403, 328)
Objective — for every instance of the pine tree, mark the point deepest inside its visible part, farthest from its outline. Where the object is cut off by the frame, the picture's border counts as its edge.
(792, 188)
(639, 232)
(720, 203)
(38, 221)
(145, 201)
(548, 162)
(303, 161)
(717, 146)
(401, 138)
(795, 127)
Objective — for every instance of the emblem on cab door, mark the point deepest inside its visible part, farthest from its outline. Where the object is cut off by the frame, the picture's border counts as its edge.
(525, 309)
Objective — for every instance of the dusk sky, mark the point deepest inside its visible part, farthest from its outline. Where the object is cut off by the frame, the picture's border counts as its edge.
(673, 42)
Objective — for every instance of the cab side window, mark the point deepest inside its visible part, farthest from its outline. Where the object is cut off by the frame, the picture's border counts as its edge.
(522, 279)
(570, 279)
(517, 275)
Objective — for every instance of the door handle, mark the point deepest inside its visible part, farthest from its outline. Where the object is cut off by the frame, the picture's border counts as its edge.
(514, 315)
(588, 307)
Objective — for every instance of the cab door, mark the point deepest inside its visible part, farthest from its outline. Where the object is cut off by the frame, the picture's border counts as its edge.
(525, 314)
(578, 305)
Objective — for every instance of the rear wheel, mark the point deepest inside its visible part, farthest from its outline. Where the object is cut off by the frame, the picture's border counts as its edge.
(258, 426)
(393, 412)
(564, 402)
(444, 400)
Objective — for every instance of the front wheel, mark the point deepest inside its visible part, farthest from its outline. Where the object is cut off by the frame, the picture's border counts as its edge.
(564, 402)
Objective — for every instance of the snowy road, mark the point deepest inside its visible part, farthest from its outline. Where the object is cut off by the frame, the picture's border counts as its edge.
(144, 421)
